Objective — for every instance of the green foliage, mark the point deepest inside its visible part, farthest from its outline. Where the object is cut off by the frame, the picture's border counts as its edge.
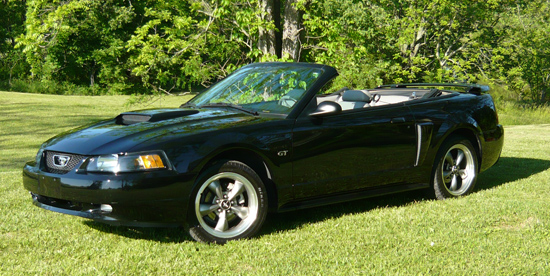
(523, 58)
(371, 42)
(341, 34)
(12, 61)
(80, 42)
(523, 113)
(169, 46)
(438, 40)
(182, 44)
(53, 87)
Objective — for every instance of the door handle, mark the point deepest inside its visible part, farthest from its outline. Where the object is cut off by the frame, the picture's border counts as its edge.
(397, 120)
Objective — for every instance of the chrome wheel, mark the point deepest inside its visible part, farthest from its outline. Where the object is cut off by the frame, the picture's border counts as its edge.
(455, 168)
(226, 205)
(458, 169)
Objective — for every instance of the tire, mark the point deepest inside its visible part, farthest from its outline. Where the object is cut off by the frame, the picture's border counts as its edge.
(456, 168)
(229, 204)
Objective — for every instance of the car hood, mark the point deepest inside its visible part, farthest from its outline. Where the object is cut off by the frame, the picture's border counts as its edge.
(130, 129)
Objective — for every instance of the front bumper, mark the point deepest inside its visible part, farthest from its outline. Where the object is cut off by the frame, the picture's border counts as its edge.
(158, 198)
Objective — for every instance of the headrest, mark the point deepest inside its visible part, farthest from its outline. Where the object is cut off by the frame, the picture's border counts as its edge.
(356, 96)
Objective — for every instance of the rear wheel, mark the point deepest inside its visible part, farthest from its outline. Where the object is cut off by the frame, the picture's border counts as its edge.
(456, 168)
(230, 203)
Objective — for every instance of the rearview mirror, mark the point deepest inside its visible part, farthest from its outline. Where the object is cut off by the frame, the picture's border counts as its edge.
(327, 108)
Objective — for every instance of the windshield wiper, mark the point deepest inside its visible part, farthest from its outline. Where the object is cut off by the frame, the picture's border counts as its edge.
(238, 107)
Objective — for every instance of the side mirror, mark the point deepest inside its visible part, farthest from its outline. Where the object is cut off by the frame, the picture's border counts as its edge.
(326, 108)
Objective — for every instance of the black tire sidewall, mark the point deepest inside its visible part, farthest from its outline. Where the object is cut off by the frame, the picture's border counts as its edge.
(197, 232)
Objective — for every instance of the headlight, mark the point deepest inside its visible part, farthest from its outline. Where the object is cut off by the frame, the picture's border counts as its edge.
(128, 162)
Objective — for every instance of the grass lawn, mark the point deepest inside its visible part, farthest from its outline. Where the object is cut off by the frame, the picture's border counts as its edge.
(502, 228)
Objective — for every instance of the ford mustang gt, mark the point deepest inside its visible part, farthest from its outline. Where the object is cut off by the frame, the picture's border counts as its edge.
(270, 137)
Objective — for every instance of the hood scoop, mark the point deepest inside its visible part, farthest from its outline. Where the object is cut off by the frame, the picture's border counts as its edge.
(130, 118)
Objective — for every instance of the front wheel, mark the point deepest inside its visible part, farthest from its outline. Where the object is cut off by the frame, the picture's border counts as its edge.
(230, 204)
(456, 169)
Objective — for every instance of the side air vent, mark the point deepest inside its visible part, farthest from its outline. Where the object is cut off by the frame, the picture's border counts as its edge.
(129, 118)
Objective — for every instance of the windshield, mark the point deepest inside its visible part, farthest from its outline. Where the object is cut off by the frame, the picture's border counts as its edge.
(264, 89)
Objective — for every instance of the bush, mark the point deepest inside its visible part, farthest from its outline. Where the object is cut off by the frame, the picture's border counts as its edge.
(51, 87)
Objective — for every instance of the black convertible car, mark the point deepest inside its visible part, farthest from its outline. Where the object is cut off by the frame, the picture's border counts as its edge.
(269, 137)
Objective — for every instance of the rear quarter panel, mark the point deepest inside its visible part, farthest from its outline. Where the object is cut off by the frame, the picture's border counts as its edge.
(472, 116)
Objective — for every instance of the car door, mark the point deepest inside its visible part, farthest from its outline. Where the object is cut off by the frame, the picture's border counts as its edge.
(352, 150)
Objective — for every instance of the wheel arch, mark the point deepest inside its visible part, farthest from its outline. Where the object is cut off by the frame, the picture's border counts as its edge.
(255, 162)
(470, 135)
(454, 138)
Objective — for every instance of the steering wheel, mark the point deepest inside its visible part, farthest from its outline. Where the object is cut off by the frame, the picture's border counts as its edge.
(375, 98)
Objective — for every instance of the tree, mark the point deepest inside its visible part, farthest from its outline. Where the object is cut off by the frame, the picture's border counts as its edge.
(183, 44)
(269, 14)
(439, 40)
(172, 45)
(404, 40)
(351, 36)
(523, 57)
(280, 29)
(79, 42)
(292, 31)
(11, 26)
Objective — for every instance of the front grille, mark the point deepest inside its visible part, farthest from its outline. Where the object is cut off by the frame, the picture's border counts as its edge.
(58, 166)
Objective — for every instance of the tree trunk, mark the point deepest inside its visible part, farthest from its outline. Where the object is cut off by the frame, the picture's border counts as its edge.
(291, 45)
(267, 40)
(92, 78)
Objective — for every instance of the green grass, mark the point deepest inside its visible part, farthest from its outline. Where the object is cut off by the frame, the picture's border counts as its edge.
(502, 228)
(514, 113)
